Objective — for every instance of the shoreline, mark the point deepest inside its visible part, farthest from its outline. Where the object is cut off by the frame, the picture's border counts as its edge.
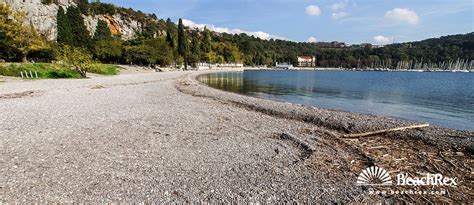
(449, 121)
(361, 70)
(343, 121)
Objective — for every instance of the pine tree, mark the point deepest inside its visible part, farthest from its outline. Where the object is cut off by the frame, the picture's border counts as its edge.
(81, 37)
(64, 28)
(182, 42)
(195, 48)
(206, 41)
(102, 31)
(170, 33)
(195, 44)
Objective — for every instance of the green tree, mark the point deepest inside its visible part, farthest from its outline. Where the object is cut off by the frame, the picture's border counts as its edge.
(150, 30)
(206, 41)
(83, 6)
(75, 57)
(206, 45)
(351, 62)
(64, 28)
(140, 54)
(164, 54)
(3, 46)
(102, 31)
(195, 49)
(170, 33)
(195, 44)
(232, 54)
(96, 8)
(20, 37)
(150, 53)
(212, 57)
(81, 37)
(182, 43)
(108, 50)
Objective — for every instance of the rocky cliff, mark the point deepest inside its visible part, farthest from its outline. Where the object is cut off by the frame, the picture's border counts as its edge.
(118, 25)
(43, 17)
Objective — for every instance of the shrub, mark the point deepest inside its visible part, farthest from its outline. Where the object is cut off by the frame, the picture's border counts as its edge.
(76, 58)
(104, 69)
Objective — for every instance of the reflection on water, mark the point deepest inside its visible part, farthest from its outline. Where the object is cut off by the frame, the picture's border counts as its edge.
(234, 82)
(445, 99)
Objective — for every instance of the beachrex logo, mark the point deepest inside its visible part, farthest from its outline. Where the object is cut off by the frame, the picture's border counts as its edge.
(426, 180)
(376, 176)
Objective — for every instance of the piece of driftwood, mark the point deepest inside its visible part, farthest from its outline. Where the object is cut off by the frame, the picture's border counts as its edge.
(378, 147)
(365, 134)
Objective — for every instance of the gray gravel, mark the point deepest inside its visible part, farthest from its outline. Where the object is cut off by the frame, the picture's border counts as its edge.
(137, 137)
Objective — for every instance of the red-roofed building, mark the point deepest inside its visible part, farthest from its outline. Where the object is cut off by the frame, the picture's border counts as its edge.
(306, 61)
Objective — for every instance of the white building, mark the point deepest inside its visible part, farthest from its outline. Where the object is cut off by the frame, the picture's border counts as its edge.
(306, 61)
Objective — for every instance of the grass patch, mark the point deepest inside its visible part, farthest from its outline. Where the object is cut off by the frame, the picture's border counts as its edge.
(104, 69)
(44, 70)
(49, 70)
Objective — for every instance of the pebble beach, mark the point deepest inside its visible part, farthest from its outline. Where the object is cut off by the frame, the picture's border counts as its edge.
(165, 137)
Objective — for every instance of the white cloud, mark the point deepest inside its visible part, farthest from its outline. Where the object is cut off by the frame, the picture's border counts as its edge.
(402, 15)
(259, 34)
(339, 15)
(313, 10)
(382, 40)
(312, 39)
(338, 6)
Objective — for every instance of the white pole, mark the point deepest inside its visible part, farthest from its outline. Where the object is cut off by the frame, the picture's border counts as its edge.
(21, 73)
(36, 74)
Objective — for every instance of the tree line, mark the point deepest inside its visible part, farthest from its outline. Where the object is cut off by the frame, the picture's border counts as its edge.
(164, 43)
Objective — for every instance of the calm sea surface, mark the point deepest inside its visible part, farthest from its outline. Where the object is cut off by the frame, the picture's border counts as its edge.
(440, 98)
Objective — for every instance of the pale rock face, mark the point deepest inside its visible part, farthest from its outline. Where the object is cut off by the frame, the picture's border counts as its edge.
(91, 23)
(43, 18)
(40, 16)
(127, 28)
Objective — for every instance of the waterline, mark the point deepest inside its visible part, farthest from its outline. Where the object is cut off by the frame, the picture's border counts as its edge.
(444, 99)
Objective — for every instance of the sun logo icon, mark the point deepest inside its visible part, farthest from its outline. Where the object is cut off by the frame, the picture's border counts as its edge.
(374, 176)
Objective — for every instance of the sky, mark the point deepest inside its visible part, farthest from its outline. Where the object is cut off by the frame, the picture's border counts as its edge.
(350, 21)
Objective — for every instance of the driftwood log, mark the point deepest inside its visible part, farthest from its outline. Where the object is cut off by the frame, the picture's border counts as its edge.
(365, 134)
